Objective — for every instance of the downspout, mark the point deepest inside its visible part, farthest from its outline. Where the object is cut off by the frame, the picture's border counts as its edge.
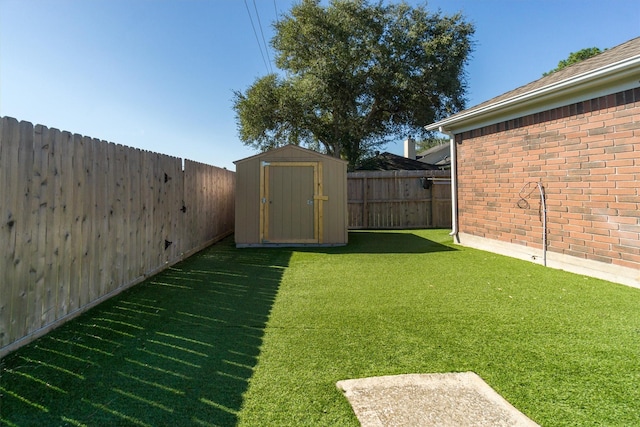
(454, 184)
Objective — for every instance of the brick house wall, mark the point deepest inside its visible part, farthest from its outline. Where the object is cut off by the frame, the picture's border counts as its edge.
(587, 157)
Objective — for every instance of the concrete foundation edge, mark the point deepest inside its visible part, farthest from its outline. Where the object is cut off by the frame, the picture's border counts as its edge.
(610, 272)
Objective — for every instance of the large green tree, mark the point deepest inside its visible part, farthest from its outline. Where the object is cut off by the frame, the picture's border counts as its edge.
(356, 75)
(575, 57)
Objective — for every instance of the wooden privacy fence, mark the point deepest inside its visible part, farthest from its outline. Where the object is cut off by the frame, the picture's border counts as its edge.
(399, 199)
(82, 219)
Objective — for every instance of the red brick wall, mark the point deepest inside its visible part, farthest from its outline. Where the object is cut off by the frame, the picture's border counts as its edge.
(587, 157)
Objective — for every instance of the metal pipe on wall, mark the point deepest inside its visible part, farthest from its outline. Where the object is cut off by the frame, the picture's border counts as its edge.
(543, 205)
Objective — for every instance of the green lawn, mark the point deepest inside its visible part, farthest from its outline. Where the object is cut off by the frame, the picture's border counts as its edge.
(259, 337)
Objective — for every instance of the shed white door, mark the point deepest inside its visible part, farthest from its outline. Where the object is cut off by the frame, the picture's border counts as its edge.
(289, 209)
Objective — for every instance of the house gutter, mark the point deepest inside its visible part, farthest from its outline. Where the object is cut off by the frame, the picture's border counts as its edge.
(623, 72)
(454, 184)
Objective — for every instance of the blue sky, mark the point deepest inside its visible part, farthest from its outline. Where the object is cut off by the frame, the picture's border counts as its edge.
(160, 74)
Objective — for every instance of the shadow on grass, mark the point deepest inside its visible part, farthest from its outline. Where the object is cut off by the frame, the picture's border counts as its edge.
(178, 349)
(384, 242)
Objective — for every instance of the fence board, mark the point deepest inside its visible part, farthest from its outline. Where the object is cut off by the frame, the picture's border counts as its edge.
(84, 210)
(135, 218)
(121, 222)
(60, 230)
(67, 189)
(75, 225)
(81, 219)
(397, 200)
(24, 243)
(174, 183)
(50, 248)
(8, 162)
(98, 222)
(111, 243)
(164, 218)
(39, 212)
(146, 195)
(157, 241)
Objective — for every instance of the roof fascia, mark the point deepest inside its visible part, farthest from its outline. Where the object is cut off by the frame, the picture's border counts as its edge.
(622, 75)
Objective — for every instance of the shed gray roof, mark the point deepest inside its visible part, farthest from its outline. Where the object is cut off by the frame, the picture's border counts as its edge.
(288, 148)
(622, 58)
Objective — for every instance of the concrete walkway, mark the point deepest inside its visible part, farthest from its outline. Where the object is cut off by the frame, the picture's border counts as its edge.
(444, 400)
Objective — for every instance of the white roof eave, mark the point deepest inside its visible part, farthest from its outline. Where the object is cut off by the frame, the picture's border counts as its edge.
(625, 71)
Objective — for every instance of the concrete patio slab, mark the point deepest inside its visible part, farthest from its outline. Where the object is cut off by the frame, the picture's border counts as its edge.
(444, 400)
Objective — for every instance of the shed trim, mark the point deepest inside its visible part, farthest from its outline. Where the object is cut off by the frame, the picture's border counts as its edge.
(291, 146)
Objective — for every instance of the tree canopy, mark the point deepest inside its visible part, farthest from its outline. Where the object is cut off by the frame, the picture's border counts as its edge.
(355, 76)
(425, 144)
(575, 57)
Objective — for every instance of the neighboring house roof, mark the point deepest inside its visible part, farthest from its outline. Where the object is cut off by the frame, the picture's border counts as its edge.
(614, 70)
(388, 161)
(440, 156)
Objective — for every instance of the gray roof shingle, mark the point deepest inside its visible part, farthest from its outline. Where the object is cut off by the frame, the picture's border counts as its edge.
(605, 59)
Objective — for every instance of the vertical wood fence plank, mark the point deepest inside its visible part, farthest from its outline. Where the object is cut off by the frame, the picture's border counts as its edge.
(24, 282)
(9, 143)
(187, 202)
(176, 196)
(173, 209)
(111, 268)
(198, 183)
(167, 199)
(61, 167)
(208, 193)
(39, 232)
(32, 213)
(76, 212)
(52, 235)
(87, 208)
(4, 232)
(100, 219)
(135, 215)
(214, 226)
(365, 203)
(158, 210)
(152, 238)
(156, 242)
(147, 208)
(119, 221)
(128, 232)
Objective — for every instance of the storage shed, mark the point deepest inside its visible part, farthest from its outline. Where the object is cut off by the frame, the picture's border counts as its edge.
(291, 196)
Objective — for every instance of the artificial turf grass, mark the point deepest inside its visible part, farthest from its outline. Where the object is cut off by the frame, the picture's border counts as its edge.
(177, 349)
(561, 347)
